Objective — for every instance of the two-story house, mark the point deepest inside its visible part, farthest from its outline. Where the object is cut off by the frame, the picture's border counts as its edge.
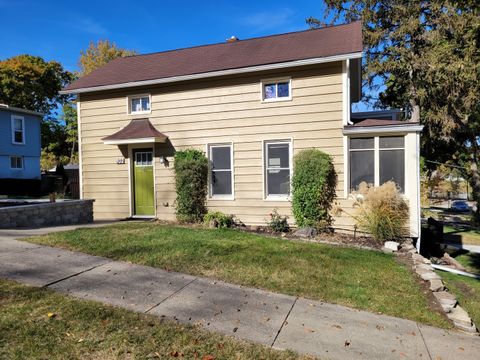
(250, 105)
(20, 150)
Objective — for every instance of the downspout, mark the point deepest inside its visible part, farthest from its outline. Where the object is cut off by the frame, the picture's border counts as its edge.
(346, 93)
(419, 207)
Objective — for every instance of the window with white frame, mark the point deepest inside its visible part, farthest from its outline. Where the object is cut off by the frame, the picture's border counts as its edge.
(275, 90)
(143, 158)
(221, 170)
(16, 162)
(376, 160)
(18, 129)
(139, 104)
(277, 168)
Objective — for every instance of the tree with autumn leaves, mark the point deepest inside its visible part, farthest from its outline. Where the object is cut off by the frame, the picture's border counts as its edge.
(424, 56)
(32, 83)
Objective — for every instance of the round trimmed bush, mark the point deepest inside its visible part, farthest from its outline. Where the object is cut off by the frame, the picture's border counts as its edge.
(191, 176)
(313, 188)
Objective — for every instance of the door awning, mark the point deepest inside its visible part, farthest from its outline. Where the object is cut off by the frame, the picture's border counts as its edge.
(138, 131)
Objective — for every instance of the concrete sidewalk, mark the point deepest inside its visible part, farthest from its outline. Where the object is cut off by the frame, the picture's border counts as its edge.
(281, 321)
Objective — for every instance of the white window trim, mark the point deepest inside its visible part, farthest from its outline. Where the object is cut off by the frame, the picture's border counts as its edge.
(232, 169)
(138, 96)
(376, 157)
(12, 123)
(267, 197)
(17, 168)
(264, 82)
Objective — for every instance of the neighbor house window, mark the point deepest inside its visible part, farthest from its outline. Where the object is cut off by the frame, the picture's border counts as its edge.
(376, 160)
(139, 104)
(221, 170)
(277, 166)
(276, 90)
(18, 129)
(16, 162)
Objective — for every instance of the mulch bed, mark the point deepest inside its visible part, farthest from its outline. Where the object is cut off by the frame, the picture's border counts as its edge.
(332, 238)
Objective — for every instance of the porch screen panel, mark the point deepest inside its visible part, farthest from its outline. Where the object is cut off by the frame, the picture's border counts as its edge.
(392, 160)
(362, 162)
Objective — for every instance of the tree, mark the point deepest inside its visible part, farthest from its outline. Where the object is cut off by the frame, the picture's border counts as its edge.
(32, 83)
(99, 54)
(426, 54)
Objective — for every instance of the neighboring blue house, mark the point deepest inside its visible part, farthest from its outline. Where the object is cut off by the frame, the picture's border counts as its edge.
(20, 149)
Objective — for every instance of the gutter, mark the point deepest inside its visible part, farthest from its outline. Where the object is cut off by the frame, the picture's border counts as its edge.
(20, 110)
(382, 129)
(454, 271)
(210, 74)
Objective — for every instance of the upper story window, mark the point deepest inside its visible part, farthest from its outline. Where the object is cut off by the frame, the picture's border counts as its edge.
(276, 90)
(16, 162)
(277, 169)
(221, 170)
(376, 160)
(139, 104)
(18, 129)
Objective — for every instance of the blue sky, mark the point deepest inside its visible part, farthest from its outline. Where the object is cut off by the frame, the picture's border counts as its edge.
(59, 30)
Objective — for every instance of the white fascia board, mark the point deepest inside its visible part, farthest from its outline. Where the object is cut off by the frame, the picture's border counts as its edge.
(134, 141)
(243, 70)
(383, 129)
(20, 110)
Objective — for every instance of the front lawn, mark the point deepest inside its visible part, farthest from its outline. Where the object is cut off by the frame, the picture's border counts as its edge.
(362, 279)
(87, 330)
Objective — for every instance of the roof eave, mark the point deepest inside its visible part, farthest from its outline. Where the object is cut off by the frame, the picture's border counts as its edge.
(355, 130)
(227, 72)
(20, 110)
(148, 140)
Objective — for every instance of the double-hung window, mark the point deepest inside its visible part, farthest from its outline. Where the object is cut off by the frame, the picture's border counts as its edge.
(18, 129)
(376, 160)
(221, 170)
(277, 169)
(276, 90)
(16, 162)
(139, 104)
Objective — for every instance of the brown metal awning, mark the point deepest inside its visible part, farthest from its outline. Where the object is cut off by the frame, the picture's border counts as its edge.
(137, 132)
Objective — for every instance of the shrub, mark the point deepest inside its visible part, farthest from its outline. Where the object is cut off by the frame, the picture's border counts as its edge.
(191, 174)
(220, 219)
(313, 188)
(382, 212)
(277, 222)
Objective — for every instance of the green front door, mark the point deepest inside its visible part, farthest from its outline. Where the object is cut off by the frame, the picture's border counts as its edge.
(144, 203)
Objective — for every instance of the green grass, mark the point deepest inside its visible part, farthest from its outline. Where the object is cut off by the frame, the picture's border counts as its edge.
(362, 279)
(467, 291)
(461, 236)
(470, 261)
(88, 330)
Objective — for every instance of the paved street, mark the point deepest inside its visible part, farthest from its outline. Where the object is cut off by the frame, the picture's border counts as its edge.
(281, 321)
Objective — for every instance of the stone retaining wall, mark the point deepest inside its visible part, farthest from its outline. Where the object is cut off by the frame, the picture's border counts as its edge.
(68, 212)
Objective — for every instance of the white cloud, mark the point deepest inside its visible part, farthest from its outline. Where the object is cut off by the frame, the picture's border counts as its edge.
(88, 25)
(271, 20)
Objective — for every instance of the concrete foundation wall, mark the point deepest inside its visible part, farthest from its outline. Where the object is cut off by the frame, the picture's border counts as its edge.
(47, 214)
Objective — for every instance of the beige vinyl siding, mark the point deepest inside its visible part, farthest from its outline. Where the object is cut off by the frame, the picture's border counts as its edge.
(199, 113)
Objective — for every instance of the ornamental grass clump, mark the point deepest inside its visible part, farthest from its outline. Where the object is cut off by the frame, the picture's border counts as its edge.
(191, 176)
(313, 189)
(382, 212)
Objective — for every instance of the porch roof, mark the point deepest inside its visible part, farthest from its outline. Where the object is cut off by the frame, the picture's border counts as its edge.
(382, 126)
(136, 132)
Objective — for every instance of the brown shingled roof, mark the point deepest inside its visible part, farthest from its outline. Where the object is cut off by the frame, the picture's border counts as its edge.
(301, 45)
(137, 129)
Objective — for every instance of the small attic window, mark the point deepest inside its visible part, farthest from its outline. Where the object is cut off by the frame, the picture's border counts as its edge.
(139, 104)
(276, 90)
